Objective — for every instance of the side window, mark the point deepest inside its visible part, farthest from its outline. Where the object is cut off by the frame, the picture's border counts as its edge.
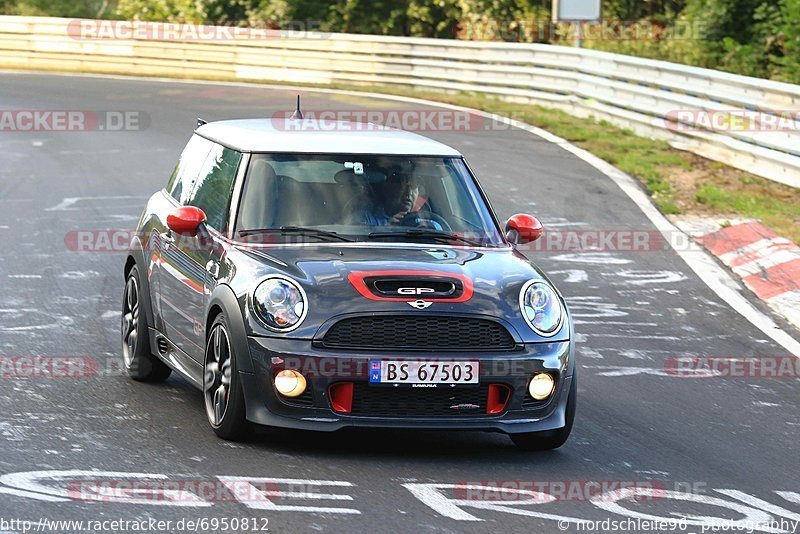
(185, 173)
(212, 191)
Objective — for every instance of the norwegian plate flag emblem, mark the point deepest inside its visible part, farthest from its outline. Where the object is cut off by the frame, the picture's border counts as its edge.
(375, 371)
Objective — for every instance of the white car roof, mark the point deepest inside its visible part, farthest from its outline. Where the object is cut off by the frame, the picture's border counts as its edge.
(312, 136)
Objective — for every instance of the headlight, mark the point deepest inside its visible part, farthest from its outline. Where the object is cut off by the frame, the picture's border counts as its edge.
(279, 303)
(541, 308)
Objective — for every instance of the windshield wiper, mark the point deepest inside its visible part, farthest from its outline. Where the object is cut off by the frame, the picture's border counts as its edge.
(295, 230)
(423, 232)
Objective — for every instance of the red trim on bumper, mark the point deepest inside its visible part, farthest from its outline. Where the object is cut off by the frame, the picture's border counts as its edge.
(341, 396)
(499, 395)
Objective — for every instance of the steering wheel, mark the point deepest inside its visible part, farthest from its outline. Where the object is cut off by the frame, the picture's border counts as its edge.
(419, 219)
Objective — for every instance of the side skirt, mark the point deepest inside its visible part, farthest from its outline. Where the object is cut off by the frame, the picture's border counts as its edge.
(178, 360)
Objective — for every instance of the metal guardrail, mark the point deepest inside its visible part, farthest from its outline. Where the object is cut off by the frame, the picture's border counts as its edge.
(640, 94)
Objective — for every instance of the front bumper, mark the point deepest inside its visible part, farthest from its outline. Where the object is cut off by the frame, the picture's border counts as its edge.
(323, 368)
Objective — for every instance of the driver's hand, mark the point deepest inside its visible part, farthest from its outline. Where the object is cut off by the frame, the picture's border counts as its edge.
(397, 217)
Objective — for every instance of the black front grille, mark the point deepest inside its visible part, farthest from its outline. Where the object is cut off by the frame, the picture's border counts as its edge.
(388, 401)
(418, 334)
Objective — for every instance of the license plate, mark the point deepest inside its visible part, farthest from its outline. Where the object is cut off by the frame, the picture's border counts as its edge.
(416, 372)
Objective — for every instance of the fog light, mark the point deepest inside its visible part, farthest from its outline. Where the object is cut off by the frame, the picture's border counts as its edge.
(290, 383)
(541, 386)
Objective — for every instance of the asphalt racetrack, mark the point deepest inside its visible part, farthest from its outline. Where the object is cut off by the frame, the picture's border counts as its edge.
(717, 448)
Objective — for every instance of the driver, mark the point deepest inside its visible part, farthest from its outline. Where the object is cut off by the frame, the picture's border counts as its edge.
(396, 198)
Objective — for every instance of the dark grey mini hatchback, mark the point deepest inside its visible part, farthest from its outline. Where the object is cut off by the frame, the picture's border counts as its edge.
(319, 278)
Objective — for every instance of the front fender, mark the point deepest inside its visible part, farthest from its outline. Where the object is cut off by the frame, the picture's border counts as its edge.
(572, 350)
(223, 298)
(137, 257)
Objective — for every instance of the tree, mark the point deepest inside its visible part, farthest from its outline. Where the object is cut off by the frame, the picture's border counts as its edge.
(629, 10)
(505, 20)
(193, 11)
(58, 8)
(790, 62)
(722, 19)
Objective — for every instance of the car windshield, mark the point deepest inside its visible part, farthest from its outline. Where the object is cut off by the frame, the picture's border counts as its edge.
(333, 197)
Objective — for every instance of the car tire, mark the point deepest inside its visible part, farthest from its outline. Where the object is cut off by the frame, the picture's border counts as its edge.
(221, 383)
(551, 439)
(139, 361)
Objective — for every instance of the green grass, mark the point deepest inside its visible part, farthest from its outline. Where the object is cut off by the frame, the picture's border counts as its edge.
(779, 212)
(758, 206)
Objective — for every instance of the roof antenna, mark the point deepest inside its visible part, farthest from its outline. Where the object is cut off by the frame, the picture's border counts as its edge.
(297, 113)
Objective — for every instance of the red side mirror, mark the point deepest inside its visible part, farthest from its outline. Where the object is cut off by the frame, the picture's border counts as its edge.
(522, 228)
(185, 220)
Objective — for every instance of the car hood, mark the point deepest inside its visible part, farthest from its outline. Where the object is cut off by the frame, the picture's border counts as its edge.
(337, 281)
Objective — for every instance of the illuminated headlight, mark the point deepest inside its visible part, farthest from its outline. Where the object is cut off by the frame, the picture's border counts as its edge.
(541, 386)
(541, 308)
(290, 383)
(279, 303)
